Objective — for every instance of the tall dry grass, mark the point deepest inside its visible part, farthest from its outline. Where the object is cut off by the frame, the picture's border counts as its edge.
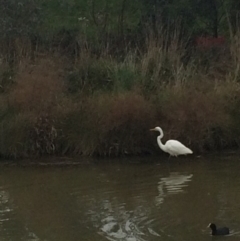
(38, 86)
(103, 105)
(108, 125)
(162, 62)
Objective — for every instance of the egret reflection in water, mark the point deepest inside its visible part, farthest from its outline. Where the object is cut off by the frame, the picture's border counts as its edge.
(172, 185)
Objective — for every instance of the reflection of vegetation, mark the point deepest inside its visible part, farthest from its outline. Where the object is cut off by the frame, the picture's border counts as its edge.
(91, 77)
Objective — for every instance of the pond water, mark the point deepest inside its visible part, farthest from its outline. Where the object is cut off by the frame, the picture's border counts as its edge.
(136, 199)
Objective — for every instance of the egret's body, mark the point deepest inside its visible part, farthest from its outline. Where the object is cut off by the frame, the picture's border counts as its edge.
(173, 147)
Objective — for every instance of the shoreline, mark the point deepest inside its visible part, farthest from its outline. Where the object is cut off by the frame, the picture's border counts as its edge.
(55, 161)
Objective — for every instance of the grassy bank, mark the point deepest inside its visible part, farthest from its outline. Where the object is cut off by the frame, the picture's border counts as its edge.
(104, 105)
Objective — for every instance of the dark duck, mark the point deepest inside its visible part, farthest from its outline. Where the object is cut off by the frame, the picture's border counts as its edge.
(218, 231)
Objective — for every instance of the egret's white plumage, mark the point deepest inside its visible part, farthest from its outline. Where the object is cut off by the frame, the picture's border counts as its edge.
(173, 147)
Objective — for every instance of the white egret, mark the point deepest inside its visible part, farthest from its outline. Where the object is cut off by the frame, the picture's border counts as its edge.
(173, 147)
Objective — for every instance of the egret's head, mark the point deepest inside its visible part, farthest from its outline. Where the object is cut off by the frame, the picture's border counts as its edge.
(155, 129)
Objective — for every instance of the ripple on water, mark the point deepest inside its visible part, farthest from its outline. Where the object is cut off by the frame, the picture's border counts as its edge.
(128, 230)
(117, 220)
(5, 209)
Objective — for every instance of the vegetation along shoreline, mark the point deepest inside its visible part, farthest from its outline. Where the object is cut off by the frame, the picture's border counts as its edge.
(94, 83)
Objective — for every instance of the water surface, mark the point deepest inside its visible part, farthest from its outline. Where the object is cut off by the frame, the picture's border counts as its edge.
(142, 200)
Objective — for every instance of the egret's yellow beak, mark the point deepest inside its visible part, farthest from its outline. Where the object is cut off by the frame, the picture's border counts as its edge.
(152, 130)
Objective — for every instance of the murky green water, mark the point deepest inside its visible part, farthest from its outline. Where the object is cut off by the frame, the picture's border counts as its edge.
(172, 200)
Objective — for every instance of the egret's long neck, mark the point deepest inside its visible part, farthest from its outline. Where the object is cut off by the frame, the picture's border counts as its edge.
(162, 146)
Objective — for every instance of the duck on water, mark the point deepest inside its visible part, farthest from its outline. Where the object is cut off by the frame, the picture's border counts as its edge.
(218, 231)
